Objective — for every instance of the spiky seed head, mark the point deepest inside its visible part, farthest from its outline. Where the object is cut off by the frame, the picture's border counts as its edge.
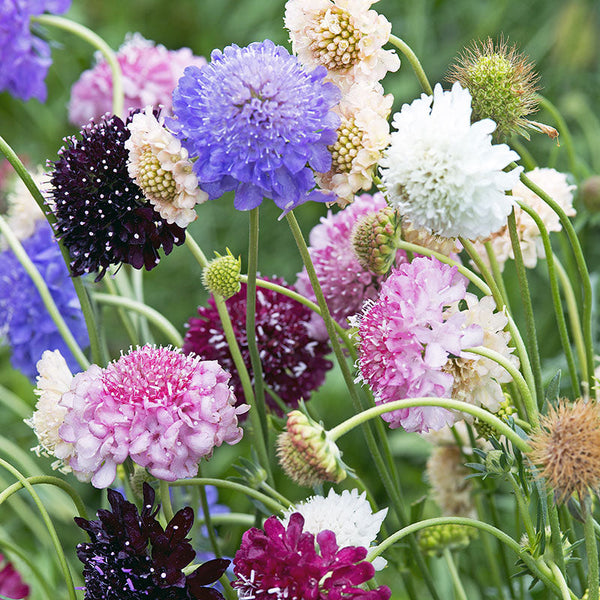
(502, 83)
(566, 446)
(222, 275)
(374, 240)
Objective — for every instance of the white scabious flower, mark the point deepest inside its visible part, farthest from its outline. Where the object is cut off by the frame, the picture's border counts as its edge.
(443, 173)
(348, 515)
(160, 166)
(53, 381)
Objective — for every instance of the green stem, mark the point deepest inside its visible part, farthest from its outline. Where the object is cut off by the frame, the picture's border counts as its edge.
(208, 521)
(476, 411)
(44, 292)
(560, 580)
(523, 510)
(414, 63)
(124, 316)
(527, 159)
(591, 549)
(152, 315)
(496, 273)
(276, 495)
(97, 42)
(15, 403)
(556, 536)
(458, 587)
(230, 519)
(165, 499)
(137, 276)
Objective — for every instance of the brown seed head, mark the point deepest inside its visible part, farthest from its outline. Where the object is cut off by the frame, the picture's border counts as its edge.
(566, 445)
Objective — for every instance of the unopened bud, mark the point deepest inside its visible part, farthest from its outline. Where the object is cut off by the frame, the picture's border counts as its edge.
(222, 275)
(435, 539)
(374, 240)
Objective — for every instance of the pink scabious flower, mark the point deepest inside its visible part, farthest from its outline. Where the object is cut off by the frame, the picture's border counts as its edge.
(345, 283)
(164, 409)
(11, 584)
(284, 563)
(344, 36)
(407, 336)
(150, 74)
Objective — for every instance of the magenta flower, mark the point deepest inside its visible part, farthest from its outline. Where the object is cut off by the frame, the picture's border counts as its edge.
(158, 406)
(150, 74)
(283, 562)
(11, 584)
(406, 338)
(345, 283)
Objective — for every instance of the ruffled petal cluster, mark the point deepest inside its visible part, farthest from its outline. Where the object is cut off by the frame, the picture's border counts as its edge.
(406, 337)
(284, 562)
(150, 74)
(344, 36)
(25, 57)
(443, 173)
(258, 124)
(160, 166)
(158, 406)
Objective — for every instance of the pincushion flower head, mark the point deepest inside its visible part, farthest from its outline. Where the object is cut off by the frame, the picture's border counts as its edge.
(443, 173)
(344, 36)
(258, 124)
(406, 337)
(131, 556)
(102, 216)
(24, 319)
(293, 362)
(362, 136)
(283, 561)
(150, 74)
(160, 166)
(25, 57)
(158, 406)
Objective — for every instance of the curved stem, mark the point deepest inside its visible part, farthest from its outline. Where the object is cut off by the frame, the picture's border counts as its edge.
(114, 290)
(152, 315)
(44, 292)
(496, 273)
(560, 580)
(97, 42)
(231, 519)
(414, 63)
(165, 499)
(15, 403)
(458, 587)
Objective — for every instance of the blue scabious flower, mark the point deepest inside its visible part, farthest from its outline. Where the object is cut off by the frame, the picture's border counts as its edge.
(258, 124)
(25, 58)
(23, 317)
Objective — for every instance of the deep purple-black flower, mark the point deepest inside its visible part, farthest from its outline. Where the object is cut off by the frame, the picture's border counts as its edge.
(131, 557)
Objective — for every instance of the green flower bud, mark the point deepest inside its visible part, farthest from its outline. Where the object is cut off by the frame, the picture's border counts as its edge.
(486, 431)
(497, 461)
(435, 539)
(222, 275)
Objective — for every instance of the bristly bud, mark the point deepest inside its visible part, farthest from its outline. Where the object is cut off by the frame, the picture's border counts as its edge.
(374, 240)
(502, 83)
(222, 275)
(566, 446)
(306, 453)
(590, 193)
(435, 539)
(486, 431)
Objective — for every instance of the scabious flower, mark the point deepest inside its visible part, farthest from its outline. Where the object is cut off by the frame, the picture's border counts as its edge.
(23, 316)
(102, 216)
(257, 124)
(345, 283)
(406, 338)
(293, 362)
(284, 562)
(555, 185)
(443, 173)
(160, 166)
(363, 135)
(130, 556)
(158, 406)
(342, 35)
(150, 74)
(11, 584)
(25, 57)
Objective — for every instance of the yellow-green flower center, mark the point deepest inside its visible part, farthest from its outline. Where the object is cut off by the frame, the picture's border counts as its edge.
(345, 149)
(156, 183)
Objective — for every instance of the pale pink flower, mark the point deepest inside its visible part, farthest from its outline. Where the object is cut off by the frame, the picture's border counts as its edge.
(164, 409)
(161, 167)
(344, 36)
(150, 74)
(363, 135)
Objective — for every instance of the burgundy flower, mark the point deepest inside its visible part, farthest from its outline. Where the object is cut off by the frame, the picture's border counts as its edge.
(11, 584)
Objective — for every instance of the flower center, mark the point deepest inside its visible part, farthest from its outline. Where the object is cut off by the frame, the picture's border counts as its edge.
(345, 149)
(335, 40)
(156, 183)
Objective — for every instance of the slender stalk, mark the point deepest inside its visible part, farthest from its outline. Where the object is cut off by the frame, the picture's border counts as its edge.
(591, 549)
(414, 62)
(44, 292)
(523, 509)
(165, 499)
(527, 159)
(15, 403)
(208, 521)
(496, 273)
(560, 580)
(137, 276)
(231, 518)
(97, 42)
(556, 536)
(275, 494)
(123, 315)
(152, 315)
(458, 587)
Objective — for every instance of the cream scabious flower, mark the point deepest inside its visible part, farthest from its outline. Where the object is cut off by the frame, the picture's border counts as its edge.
(53, 381)
(556, 186)
(344, 36)
(362, 137)
(160, 166)
(443, 173)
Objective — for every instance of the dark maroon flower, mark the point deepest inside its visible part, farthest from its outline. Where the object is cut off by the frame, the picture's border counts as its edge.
(131, 557)
(285, 563)
(102, 216)
(293, 362)
(11, 584)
